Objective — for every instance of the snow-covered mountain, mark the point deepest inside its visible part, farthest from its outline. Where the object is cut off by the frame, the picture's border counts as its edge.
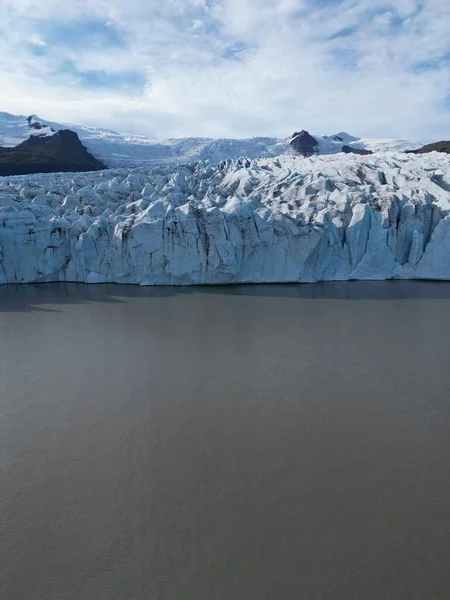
(288, 219)
(16, 129)
(117, 149)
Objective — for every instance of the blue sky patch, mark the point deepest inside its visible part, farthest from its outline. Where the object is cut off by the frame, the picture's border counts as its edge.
(123, 80)
(432, 64)
(347, 32)
(81, 33)
(235, 51)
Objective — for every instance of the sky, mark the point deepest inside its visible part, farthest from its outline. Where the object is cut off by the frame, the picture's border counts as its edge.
(230, 68)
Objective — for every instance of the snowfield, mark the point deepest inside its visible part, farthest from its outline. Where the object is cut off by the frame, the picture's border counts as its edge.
(285, 219)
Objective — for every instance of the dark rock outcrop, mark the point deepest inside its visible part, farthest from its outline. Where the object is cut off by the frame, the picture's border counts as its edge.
(351, 150)
(436, 147)
(34, 124)
(59, 153)
(304, 143)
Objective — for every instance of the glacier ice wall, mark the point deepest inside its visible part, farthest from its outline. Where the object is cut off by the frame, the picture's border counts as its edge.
(287, 219)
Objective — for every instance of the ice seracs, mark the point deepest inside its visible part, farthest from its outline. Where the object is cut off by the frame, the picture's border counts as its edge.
(284, 219)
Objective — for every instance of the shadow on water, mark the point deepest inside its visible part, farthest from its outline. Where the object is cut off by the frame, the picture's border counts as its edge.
(46, 297)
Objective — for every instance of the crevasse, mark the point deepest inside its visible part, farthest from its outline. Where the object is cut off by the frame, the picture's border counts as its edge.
(286, 219)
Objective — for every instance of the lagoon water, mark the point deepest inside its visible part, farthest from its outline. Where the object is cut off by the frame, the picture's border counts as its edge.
(225, 443)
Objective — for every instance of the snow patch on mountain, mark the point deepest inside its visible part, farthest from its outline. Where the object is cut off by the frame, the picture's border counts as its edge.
(16, 129)
(284, 219)
(333, 144)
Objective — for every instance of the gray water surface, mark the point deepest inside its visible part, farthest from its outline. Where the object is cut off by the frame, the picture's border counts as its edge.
(239, 443)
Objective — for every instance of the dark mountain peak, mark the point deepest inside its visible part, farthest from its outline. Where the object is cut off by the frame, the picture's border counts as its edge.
(63, 138)
(352, 150)
(61, 152)
(304, 143)
(303, 134)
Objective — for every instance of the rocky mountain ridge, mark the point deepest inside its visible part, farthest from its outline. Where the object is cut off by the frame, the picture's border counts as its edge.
(113, 149)
(123, 150)
(435, 147)
(60, 152)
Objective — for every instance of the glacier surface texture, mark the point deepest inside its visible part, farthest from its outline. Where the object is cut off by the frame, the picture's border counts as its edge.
(285, 219)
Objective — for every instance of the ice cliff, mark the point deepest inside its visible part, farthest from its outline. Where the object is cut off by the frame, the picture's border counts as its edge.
(286, 219)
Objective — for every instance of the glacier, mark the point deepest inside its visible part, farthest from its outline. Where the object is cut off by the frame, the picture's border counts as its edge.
(283, 219)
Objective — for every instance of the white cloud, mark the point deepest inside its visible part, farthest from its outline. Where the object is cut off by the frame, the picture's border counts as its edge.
(233, 67)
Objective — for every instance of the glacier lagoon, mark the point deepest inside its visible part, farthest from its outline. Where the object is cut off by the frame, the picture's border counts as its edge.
(225, 442)
(285, 219)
